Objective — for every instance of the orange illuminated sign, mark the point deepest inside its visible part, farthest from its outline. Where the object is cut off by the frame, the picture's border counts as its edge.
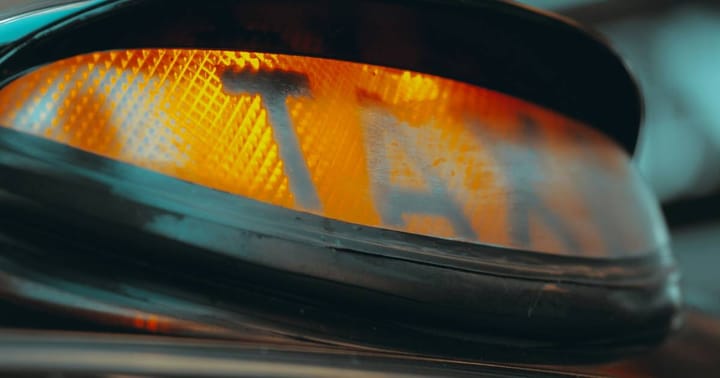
(353, 142)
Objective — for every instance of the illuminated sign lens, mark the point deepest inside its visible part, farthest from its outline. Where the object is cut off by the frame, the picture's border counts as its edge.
(363, 144)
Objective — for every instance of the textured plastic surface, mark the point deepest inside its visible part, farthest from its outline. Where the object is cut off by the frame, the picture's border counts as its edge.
(353, 142)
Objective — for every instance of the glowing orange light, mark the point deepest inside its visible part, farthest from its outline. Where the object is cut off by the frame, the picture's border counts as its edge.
(358, 143)
(148, 322)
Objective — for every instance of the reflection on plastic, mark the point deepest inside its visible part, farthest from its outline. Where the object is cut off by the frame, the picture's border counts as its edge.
(359, 143)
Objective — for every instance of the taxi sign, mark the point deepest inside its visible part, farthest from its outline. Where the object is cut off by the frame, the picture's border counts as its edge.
(354, 142)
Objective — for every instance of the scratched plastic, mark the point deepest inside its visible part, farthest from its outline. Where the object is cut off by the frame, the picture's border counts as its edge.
(358, 143)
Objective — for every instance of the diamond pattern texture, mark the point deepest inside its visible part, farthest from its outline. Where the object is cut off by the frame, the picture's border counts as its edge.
(359, 143)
